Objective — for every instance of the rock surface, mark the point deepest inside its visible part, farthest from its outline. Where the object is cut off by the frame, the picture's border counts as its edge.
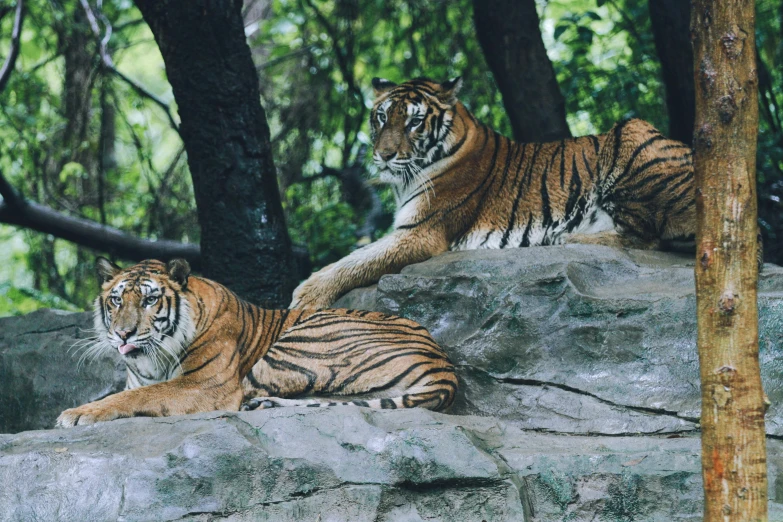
(573, 339)
(579, 401)
(40, 372)
(347, 464)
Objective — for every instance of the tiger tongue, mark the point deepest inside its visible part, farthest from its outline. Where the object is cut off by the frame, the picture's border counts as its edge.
(126, 348)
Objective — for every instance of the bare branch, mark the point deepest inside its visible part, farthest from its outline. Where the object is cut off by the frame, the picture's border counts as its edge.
(14, 210)
(13, 53)
(108, 63)
(96, 30)
(345, 62)
(129, 23)
(147, 94)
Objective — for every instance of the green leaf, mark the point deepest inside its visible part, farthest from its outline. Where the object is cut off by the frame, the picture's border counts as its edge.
(559, 30)
(70, 170)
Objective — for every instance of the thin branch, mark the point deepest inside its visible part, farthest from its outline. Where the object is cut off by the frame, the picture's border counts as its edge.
(280, 59)
(13, 53)
(14, 210)
(108, 63)
(130, 23)
(344, 54)
(147, 94)
(96, 30)
(630, 24)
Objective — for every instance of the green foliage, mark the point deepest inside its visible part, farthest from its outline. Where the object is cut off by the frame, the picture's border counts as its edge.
(54, 112)
(315, 60)
(325, 224)
(606, 64)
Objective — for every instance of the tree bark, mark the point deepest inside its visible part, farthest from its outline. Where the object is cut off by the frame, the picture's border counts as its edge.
(732, 418)
(509, 34)
(244, 241)
(671, 29)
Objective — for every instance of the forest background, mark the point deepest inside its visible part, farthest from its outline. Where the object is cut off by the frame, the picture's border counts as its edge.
(89, 125)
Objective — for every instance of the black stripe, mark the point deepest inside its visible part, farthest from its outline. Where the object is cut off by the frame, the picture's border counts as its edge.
(202, 365)
(285, 365)
(574, 190)
(636, 153)
(618, 131)
(526, 235)
(587, 166)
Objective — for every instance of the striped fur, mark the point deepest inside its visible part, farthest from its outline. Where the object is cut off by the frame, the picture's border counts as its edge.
(191, 345)
(460, 185)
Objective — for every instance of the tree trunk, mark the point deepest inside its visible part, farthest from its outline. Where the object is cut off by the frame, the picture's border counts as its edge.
(244, 241)
(732, 418)
(509, 34)
(671, 28)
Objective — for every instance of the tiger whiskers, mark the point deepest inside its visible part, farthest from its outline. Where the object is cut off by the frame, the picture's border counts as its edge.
(90, 347)
(171, 353)
(414, 179)
(424, 182)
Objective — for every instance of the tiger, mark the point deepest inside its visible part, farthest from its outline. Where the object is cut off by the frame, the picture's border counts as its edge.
(191, 345)
(459, 185)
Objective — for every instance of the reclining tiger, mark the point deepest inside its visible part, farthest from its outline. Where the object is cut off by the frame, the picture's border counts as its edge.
(459, 185)
(191, 345)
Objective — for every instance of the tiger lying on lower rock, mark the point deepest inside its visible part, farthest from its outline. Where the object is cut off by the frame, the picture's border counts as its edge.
(191, 345)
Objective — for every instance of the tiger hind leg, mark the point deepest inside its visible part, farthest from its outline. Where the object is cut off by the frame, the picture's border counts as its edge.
(430, 397)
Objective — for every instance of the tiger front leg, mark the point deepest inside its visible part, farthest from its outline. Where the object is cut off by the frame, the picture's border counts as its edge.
(366, 265)
(175, 397)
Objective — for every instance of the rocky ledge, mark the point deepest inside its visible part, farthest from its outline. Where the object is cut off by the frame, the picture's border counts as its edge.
(579, 401)
(346, 464)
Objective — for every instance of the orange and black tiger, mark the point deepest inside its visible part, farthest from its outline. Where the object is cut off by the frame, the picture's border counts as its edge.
(459, 185)
(191, 345)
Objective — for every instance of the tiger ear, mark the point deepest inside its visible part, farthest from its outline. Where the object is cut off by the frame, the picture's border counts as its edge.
(381, 85)
(449, 90)
(106, 269)
(178, 270)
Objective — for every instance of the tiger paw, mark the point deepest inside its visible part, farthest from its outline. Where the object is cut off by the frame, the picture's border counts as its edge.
(84, 415)
(314, 293)
(259, 403)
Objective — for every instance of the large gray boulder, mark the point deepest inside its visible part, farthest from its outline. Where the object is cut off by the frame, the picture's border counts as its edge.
(40, 369)
(346, 464)
(573, 339)
(579, 401)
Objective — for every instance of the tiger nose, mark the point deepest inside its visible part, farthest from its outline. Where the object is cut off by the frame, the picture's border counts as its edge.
(124, 334)
(386, 155)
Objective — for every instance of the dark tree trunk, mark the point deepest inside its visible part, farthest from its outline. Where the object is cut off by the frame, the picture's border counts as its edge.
(509, 34)
(244, 241)
(671, 27)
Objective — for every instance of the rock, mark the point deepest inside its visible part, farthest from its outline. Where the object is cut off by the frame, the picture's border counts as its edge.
(345, 464)
(573, 339)
(579, 401)
(40, 373)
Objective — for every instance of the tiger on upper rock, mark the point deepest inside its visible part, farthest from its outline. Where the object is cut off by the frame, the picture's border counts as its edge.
(460, 185)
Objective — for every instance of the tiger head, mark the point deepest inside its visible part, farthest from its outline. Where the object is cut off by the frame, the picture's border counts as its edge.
(142, 313)
(410, 125)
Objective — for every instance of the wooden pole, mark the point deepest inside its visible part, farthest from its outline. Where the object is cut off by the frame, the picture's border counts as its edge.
(732, 418)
